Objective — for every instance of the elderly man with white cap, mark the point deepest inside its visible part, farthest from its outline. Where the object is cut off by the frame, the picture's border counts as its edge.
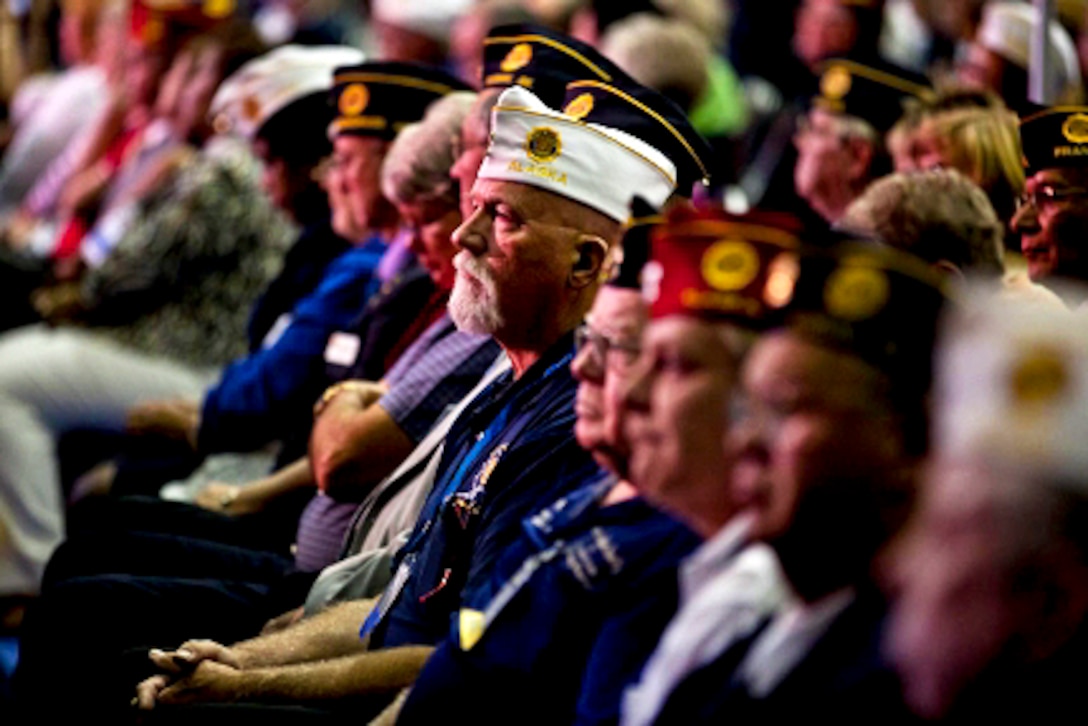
(532, 256)
(993, 585)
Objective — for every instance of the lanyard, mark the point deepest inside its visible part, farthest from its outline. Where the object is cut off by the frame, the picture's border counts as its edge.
(445, 491)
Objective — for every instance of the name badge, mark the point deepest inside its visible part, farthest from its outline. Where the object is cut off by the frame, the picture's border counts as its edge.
(342, 349)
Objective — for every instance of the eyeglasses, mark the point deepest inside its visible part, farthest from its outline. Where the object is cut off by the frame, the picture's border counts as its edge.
(1046, 194)
(600, 345)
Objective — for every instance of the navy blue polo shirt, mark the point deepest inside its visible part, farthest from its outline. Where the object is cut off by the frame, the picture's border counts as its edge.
(576, 607)
(509, 454)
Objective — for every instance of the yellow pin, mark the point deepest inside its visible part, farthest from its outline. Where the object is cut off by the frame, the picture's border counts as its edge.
(471, 626)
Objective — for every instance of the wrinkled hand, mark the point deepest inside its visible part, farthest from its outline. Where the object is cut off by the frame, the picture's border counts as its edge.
(147, 692)
(190, 654)
(177, 419)
(356, 393)
(179, 666)
(209, 682)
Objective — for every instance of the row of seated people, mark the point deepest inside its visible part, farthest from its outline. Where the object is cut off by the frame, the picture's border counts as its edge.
(515, 543)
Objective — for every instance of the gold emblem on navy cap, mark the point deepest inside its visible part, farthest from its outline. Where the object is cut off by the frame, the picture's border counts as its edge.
(580, 107)
(730, 265)
(518, 57)
(1039, 377)
(856, 292)
(354, 99)
(836, 83)
(543, 144)
(1075, 128)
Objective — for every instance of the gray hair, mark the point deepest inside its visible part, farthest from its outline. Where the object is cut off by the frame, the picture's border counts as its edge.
(677, 67)
(938, 215)
(418, 164)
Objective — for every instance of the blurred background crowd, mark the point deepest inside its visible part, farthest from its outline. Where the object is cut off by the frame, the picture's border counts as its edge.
(234, 338)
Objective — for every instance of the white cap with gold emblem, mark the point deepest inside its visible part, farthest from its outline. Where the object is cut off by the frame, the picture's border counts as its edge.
(599, 166)
(261, 88)
(1012, 386)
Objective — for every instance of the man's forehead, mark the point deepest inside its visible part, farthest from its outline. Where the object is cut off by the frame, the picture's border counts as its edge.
(787, 359)
(617, 311)
(527, 199)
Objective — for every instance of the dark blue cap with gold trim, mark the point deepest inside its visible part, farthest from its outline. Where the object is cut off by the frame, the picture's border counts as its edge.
(648, 116)
(1055, 137)
(635, 249)
(381, 98)
(874, 94)
(877, 303)
(542, 60)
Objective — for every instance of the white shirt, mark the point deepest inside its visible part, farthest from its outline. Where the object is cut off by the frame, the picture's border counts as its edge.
(787, 640)
(727, 588)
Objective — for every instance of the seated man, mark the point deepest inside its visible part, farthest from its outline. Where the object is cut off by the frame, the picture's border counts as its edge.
(532, 256)
(1052, 216)
(833, 422)
(992, 588)
(591, 576)
(840, 143)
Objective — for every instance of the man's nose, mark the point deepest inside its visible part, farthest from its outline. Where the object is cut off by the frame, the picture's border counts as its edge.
(471, 235)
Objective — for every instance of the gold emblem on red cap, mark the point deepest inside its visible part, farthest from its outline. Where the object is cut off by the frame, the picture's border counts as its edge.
(354, 99)
(580, 107)
(218, 8)
(854, 292)
(518, 57)
(1075, 128)
(543, 144)
(836, 83)
(1039, 377)
(730, 265)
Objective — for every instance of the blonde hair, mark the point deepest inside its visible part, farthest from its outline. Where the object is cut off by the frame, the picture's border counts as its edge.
(984, 144)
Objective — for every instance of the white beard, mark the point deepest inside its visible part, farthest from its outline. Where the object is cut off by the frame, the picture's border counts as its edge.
(474, 303)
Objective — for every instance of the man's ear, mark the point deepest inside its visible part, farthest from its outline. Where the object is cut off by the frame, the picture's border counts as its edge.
(862, 153)
(948, 269)
(589, 255)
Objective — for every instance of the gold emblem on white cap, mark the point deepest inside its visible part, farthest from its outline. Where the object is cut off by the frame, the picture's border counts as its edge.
(543, 144)
(836, 83)
(251, 108)
(855, 292)
(580, 106)
(518, 57)
(1040, 376)
(730, 265)
(353, 99)
(1075, 128)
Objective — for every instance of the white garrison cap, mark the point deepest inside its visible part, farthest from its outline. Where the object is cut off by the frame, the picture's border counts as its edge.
(1007, 28)
(601, 167)
(433, 19)
(266, 85)
(1012, 386)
